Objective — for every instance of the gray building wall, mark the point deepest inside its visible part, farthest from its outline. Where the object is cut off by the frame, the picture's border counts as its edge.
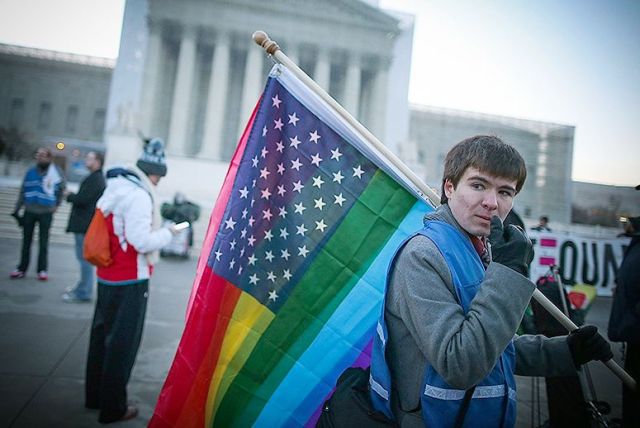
(603, 204)
(547, 149)
(46, 94)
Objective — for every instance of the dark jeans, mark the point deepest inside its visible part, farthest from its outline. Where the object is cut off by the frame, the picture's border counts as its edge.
(44, 224)
(631, 399)
(115, 337)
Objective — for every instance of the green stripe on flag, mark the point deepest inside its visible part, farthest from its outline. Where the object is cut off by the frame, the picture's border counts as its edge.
(337, 268)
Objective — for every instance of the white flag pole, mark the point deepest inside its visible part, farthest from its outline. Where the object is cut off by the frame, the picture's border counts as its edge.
(272, 48)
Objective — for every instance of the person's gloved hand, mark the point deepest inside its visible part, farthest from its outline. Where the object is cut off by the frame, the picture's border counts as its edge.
(510, 246)
(18, 217)
(586, 344)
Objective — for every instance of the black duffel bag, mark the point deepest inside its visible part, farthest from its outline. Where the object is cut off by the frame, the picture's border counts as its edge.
(350, 405)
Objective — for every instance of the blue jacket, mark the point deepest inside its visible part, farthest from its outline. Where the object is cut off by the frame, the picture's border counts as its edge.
(494, 400)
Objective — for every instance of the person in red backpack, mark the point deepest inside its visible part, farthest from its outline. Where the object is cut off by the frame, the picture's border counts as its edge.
(133, 221)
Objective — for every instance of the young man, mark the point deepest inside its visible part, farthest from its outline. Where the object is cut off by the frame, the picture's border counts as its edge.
(133, 221)
(84, 206)
(41, 194)
(454, 302)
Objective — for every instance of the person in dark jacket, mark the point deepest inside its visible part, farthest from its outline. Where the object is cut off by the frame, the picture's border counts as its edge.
(84, 205)
(40, 195)
(624, 322)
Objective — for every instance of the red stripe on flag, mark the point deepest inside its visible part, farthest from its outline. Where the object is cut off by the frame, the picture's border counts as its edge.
(547, 261)
(548, 242)
(184, 394)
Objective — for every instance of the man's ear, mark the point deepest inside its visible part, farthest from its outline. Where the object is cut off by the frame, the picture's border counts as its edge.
(448, 188)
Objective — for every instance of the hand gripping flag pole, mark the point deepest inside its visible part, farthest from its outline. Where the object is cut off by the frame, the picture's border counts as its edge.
(428, 194)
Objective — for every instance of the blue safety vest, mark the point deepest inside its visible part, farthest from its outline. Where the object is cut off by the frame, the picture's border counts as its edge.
(493, 403)
(34, 193)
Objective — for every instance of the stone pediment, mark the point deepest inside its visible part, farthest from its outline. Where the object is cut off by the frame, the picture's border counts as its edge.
(348, 12)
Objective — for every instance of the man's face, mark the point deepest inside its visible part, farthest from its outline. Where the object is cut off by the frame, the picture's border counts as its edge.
(43, 158)
(477, 198)
(154, 179)
(91, 162)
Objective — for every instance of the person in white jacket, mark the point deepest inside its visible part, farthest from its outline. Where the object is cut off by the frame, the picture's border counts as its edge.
(133, 222)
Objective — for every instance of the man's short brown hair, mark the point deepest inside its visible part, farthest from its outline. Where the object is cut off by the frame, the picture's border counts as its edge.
(490, 155)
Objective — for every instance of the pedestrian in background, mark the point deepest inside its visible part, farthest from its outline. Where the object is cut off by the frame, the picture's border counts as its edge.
(41, 193)
(543, 225)
(130, 207)
(84, 205)
(624, 322)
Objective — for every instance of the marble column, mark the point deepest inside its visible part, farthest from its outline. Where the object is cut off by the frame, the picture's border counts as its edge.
(250, 85)
(151, 74)
(352, 85)
(322, 72)
(216, 99)
(378, 111)
(178, 140)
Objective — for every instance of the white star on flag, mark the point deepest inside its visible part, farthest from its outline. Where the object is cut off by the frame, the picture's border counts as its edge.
(273, 295)
(335, 154)
(357, 172)
(254, 162)
(277, 124)
(285, 254)
(271, 277)
(337, 176)
(252, 260)
(286, 274)
(264, 152)
(281, 190)
(294, 142)
(268, 235)
(276, 101)
(293, 119)
(314, 136)
(218, 254)
(317, 181)
(281, 169)
(339, 199)
(230, 224)
(279, 146)
(244, 192)
(319, 203)
(251, 221)
(244, 213)
(284, 233)
(251, 240)
(264, 131)
(241, 251)
(282, 213)
(232, 263)
(320, 225)
(300, 208)
(265, 194)
(264, 173)
(253, 279)
(266, 214)
(268, 255)
(302, 251)
(296, 164)
(243, 233)
(298, 186)
(239, 270)
(316, 159)
(301, 229)
(232, 244)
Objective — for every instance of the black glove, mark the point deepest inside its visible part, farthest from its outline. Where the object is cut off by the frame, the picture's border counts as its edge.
(18, 217)
(510, 246)
(586, 344)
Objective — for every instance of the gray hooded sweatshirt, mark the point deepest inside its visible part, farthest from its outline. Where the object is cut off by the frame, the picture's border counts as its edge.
(427, 325)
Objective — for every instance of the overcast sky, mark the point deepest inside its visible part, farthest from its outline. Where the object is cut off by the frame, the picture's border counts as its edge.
(574, 62)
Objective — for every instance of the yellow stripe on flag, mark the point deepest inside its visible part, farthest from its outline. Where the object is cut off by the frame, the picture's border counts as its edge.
(248, 321)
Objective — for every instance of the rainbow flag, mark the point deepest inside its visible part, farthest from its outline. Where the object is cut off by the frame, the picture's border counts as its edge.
(292, 272)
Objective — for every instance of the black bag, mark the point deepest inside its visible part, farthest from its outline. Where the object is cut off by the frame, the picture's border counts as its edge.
(350, 405)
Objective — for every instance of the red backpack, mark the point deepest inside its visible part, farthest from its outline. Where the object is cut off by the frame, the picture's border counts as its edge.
(96, 241)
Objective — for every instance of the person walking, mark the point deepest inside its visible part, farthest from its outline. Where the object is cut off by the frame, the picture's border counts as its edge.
(41, 193)
(84, 205)
(129, 205)
(445, 349)
(624, 321)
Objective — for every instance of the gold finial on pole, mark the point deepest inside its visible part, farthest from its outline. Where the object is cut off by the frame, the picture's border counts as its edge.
(263, 40)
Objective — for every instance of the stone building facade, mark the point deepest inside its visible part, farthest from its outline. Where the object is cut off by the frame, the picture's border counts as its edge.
(547, 149)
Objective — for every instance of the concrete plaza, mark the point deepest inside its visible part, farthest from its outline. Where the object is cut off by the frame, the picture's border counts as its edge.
(44, 345)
